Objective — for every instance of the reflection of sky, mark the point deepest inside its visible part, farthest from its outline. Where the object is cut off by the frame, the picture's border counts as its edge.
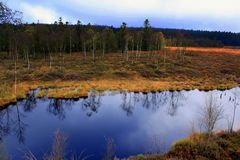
(188, 14)
(132, 132)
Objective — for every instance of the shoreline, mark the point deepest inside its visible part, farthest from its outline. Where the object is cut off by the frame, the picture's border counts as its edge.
(220, 145)
(79, 89)
(198, 68)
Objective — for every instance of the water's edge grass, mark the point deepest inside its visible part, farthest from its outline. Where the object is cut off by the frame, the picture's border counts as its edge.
(222, 145)
(80, 89)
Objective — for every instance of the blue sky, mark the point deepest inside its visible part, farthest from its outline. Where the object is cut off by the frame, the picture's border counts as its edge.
(219, 15)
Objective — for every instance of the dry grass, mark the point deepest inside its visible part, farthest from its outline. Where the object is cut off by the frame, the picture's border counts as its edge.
(220, 146)
(201, 68)
(209, 50)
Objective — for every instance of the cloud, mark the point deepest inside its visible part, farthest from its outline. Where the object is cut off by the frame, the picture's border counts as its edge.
(215, 8)
(38, 13)
(195, 14)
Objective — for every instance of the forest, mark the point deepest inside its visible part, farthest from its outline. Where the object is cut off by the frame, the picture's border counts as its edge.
(41, 40)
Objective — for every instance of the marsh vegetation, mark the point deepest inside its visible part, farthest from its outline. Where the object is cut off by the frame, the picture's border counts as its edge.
(79, 57)
(116, 92)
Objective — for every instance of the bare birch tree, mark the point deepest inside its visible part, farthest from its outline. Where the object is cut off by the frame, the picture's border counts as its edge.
(211, 114)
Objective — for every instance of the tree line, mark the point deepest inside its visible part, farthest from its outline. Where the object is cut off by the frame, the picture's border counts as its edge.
(37, 40)
(43, 40)
(180, 37)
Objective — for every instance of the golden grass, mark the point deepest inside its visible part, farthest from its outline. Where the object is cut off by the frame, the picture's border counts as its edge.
(78, 89)
(224, 146)
(208, 50)
(200, 68)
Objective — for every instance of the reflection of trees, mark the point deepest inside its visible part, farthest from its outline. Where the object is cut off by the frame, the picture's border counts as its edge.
(30, 102)
(146, 100)
(12, 118)
(152, 101)
(19, 126)
(127, 105)
(162, 99)
(91, 103)
(12, 122)
(175, 99)
(56, 108)
(5, 122)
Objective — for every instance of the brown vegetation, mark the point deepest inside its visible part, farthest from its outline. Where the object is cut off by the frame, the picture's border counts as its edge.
(199, 146)
(169, 69)
(210, 50)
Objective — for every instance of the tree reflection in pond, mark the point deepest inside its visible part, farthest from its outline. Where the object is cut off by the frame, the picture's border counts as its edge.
(92, 103)
(146, 100)
(30, 102)
(12, 122)
(58, 107)
(152, 101)
(175, 101)
(126, 104)
(19, 127)
(5, 122)
(87, 121)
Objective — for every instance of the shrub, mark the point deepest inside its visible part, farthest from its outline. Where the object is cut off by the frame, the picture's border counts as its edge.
(198, 148)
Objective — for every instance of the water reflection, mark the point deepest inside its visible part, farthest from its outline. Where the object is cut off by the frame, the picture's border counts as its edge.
(56, 108)
(11, 121)
(127, 103)
(5, 120)
(175, 100)
(3, 152)
(19, 126)
(89, 120)
(152, 101)
(91, 104)
(30, 102)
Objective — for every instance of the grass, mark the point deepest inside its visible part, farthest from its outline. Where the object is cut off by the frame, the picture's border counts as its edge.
(200, 146)
(210, 50)
(197, 68)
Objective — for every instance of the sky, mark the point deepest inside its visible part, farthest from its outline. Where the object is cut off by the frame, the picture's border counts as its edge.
(213, 15)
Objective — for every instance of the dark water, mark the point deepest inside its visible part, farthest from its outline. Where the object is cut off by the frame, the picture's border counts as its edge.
(137, 123)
